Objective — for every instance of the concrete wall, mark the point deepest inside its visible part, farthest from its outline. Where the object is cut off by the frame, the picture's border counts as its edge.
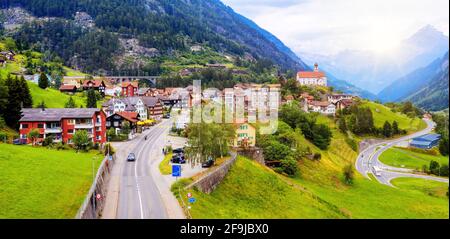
(210, 181)
(254, 153)
(92, 207)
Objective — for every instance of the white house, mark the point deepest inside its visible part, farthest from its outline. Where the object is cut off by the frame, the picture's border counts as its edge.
(323, 107)
(129, 104)
(312, 78)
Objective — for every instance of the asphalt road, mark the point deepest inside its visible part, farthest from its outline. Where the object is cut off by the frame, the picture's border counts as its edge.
(369, 158)
(139, 196)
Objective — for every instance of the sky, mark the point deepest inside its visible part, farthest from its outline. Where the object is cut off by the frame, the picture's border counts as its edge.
(327, 27)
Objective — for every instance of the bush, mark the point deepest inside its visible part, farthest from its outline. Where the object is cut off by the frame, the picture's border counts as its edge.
(3, 137)
(349, 174)
(289, 166)
(352, 143)
(434, 167)
(444, 171)
(317, 156)
(48, 141)
(109, 149)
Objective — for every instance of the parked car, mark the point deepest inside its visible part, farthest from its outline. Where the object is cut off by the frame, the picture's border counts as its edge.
(131, 157)
(178, 159)
(208, 164)
(19, 141)
(178, 151)
(166, 116)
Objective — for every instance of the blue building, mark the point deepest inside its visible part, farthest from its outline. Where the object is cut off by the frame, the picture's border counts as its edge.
(427, 141)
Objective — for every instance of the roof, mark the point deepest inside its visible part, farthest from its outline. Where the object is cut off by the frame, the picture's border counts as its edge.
(347, 102)
(142, 91)
(56, 114)
(428, 137)
(68, 87)
(320, 103)
(96, 83)
(424, 143)
(130, 116)
(150, 101)
(310, 74)
(126, 84)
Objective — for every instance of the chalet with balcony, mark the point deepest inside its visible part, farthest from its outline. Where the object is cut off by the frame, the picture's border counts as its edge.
(97, 85)
(61, 124)
(117, 120)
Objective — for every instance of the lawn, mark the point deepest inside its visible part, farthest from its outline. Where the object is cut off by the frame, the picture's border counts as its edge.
(165, 167)
(72, 72)
(399, 157)
(382, 113)
(42, 183)
(422, 186)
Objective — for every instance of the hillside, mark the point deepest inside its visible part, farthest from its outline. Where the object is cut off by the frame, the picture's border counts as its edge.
(52, 97)
(254, 191)
(413, 82)
(434, 95)
(162, 28)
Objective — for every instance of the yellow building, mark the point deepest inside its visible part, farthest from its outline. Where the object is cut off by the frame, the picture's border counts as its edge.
(245, 136)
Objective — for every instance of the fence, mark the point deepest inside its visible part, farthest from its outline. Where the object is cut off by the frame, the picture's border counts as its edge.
(92, 206)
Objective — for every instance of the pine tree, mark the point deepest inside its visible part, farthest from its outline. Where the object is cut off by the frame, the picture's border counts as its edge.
(387, 129)
(70, 103)
(91, 99)
(25, 93)
(43, 81)
(12, 113)
(3, 98)
(395, 129)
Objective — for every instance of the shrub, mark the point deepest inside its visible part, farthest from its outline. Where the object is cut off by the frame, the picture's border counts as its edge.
(48, 141)
(434, 167)
(317, 156)
(444, 170)
(349, 174)
(3, 137)
(289, 166)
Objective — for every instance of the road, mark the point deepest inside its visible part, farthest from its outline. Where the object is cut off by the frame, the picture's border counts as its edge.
(140, 196)
(369, 158)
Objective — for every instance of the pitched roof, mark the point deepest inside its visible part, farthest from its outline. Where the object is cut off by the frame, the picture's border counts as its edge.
(428, 137)
(310, 74)
(134, 84)
(320, 103)
(68, 87)
(150, 101)
(95, 83)
(130, 116)
(56, 114)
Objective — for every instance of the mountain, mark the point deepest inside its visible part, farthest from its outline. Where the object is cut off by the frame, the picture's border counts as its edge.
(434, 95)
(375, 71)
(412, 82)
(348, 88)
(165, 27)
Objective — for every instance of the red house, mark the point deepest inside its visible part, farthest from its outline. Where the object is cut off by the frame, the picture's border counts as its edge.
(61, 124)
(97, 85)
(130, 89)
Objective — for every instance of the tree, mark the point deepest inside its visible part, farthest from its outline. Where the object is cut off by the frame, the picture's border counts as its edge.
(3, 98)
(42, 105)
(349, 174)
(208, 140)
(27, 100)
(322, 136)
(342, 125)
(70, 103)
(81, 139)
(387, 129)
(34, 135)
(395, 129)
(91, 99)
(13, 107)
(444, 170)
(444, 146)
(434, 167)
(43, 81)
(289, 166)
(126, 128)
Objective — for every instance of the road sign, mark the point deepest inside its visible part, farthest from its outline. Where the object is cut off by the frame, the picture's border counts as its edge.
(192, 200)
(110, 157)
(98, 196)
(176, 170)
(189, 195)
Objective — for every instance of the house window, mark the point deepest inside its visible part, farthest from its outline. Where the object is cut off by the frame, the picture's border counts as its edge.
(40, 126)
(24, 126)
(116, 124)
(108, 123)
(99, 137)
(70, 131)
(71, 122)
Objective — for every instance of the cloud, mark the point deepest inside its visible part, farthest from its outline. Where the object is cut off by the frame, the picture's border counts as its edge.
(329, 26)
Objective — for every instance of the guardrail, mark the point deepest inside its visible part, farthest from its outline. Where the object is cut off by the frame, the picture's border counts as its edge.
(92, 206)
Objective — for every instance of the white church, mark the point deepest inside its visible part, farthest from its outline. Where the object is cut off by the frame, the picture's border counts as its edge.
(312, 78)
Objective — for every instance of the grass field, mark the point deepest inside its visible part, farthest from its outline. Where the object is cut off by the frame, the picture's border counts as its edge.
(72, 72)
(165, 166)
(42, 183)
(254, 191)
(382, 113)
(398, 157)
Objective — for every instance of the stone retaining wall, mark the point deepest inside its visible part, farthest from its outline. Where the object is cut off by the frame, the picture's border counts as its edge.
(92, 207)
(210, 181)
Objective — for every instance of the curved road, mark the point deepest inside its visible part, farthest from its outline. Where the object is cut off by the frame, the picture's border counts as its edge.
(139, 196)
(369, 158)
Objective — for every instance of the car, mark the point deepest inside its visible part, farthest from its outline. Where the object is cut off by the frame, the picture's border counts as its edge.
(178, 159)
(178, 151)
(166, 116)
(131, 157)
(208, 164)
